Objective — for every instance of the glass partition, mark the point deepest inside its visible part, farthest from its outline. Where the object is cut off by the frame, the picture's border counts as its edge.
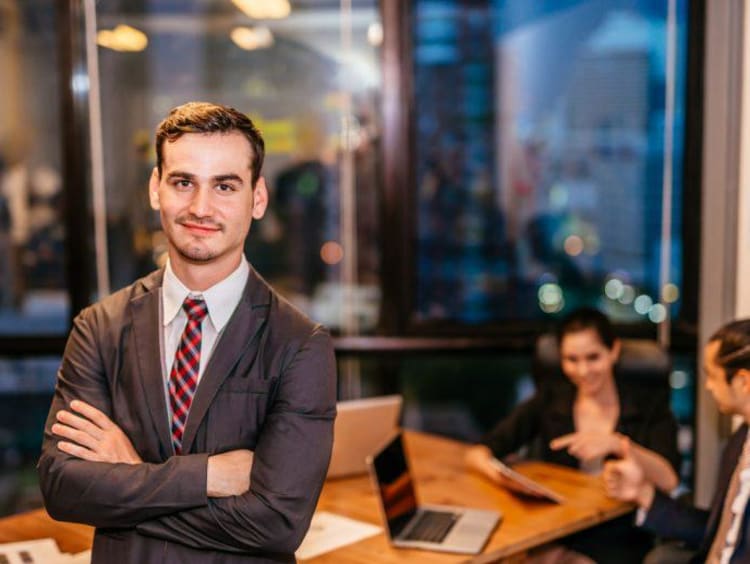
(549, 167)
(310, 79)
(33, 288)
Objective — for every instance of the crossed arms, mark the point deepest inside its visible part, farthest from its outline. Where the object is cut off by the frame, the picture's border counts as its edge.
(90, 435)
(236, 501)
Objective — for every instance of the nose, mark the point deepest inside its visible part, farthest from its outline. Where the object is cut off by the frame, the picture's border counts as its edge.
(583, 369)
(200, 204)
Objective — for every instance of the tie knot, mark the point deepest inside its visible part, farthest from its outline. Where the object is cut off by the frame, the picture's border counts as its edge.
(195, 308)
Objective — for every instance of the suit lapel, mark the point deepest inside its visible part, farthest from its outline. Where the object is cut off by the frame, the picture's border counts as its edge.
(238, 340)
(146, 328)
(730, 460)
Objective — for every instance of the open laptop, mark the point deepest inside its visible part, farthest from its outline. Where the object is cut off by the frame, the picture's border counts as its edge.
(361, 428)
(432, 527)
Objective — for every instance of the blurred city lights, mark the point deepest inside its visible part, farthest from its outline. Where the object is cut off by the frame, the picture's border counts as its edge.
(642, 304)
(670, 293)
(331, 252)
(627, 295)
(550, 298)
(573, 245)
(613, 288)
(678, 379)
(657, 313)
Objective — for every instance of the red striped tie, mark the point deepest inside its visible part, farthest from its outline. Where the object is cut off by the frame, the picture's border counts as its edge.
(183, 378)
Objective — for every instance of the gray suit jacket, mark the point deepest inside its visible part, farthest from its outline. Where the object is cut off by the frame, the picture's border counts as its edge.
(270, 386)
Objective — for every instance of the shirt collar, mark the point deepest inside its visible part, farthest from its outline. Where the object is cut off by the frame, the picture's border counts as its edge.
(221, 298)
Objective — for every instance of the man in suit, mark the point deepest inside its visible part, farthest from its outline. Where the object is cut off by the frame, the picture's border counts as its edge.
(192, 419)
(721, 534)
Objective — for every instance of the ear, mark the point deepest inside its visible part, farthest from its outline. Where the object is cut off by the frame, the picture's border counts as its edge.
(616, 350)
(260, 198)
(153, 189)
(741, 380)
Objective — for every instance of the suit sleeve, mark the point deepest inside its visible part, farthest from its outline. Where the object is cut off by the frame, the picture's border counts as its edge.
(103, 494)
(289, 467)
(517, 429)
(669, 518)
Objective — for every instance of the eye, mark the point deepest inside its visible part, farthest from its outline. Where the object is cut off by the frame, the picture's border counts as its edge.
(182, 183)
(225, 188)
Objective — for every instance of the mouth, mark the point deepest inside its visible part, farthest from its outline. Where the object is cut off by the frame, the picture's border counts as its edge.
(200, 228)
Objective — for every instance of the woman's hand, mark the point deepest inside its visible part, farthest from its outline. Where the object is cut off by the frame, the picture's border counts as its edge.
(479, 459)
(590, 445)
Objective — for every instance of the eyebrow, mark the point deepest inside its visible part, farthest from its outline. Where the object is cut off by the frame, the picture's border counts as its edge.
(217, 178)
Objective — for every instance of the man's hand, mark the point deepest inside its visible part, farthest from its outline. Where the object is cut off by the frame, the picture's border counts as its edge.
(229, 473)
(93, 436)
(624, 479)
(589, 445)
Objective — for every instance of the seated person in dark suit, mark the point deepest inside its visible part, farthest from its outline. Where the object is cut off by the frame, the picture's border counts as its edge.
(581, 422)
(720, 534)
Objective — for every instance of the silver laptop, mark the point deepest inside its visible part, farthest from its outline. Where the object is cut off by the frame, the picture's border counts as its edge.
(432, 527)
(361, 428)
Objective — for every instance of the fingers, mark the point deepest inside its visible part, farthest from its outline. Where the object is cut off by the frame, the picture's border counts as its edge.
(563, 441)
(91, 413)
(70, 420)
(625, 447)
(79, 437)
(78, 451)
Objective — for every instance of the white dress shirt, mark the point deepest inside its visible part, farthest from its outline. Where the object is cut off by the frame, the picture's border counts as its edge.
(737, 505)
(221, 300)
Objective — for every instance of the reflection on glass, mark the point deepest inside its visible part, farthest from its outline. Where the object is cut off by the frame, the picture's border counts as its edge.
(32, 283)
(290, 73)
(540, 164)
(26, 387)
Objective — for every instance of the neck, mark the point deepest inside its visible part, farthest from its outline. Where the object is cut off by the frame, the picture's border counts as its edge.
(606, 395)
(200, 276)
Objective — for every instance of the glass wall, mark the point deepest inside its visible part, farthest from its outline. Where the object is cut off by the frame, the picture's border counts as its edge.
(540, 166)
(549, 154)
(33, 294)
(310, 79)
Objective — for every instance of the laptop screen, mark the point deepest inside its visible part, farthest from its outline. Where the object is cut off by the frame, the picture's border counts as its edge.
(395, 485)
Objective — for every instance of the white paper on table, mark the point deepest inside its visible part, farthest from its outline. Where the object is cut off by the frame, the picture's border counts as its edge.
(329, 532)
(42, 551)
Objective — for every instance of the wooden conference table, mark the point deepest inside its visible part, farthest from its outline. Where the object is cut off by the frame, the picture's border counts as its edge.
(437, 465)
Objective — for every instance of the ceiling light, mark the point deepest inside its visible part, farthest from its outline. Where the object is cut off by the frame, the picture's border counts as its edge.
(122, 38)
(250, 38)
(264, 9)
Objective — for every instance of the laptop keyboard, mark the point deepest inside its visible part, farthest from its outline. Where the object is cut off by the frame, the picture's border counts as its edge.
(432, 526)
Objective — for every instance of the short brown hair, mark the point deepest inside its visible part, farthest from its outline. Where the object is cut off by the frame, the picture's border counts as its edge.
(734, 347)
(204, 117)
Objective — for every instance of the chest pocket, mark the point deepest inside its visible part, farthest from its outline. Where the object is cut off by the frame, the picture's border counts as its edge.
(242, 403)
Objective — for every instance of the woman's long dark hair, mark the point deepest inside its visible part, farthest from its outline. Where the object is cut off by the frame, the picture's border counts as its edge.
(587, 318)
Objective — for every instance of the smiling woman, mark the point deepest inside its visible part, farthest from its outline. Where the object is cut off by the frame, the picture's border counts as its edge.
(598, 417)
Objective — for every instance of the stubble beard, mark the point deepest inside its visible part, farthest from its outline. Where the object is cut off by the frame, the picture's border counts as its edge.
(190, 251)
(196, 254)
